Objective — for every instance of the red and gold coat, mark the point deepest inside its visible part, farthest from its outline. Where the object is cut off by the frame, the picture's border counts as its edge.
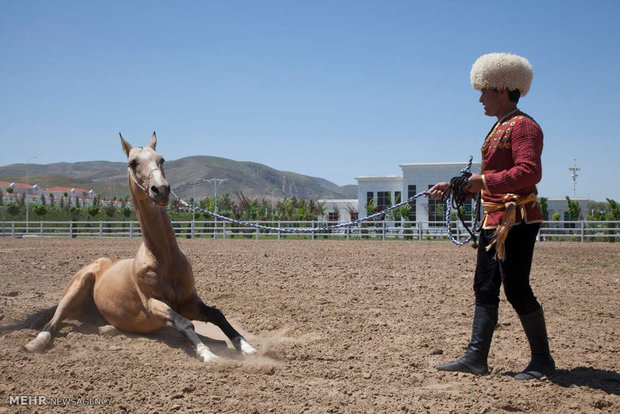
(511, 168)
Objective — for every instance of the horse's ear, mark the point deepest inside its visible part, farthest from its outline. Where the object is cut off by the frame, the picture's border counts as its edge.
(153, 142)
(126, 145)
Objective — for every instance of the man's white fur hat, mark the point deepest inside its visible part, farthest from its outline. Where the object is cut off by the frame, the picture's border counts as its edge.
(502, 70)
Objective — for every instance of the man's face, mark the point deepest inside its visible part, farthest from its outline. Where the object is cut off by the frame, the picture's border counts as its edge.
(492, 101)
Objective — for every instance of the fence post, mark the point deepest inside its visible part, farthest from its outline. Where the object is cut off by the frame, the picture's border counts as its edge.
(41, 228)
(419, 230)
(312, 230)
(383, 232)
(256, 229)
(12, 229)
(224, 230)
(279, 232)
(582, 230)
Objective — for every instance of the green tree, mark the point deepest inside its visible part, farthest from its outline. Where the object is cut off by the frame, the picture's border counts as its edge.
(10, 190)
(302, 210)
(318, 209)
(110, 210)
(226, 205)
(76, 213)
(40, 210)
(207, 204)
(93, 211)
(51, 197)
(125, 212)
(404, 211)
(573, 209)
(13, 209)
(544, 207)
(613, 214)
(370, 206)
(614, 210)
(597, 210)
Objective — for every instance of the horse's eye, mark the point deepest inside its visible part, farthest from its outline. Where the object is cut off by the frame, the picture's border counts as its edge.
(133, 163)
(162, 161)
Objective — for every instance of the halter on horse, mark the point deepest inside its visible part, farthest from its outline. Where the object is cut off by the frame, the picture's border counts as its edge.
(154, 289)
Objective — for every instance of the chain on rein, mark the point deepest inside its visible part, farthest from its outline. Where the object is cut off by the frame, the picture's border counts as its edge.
(454, 197)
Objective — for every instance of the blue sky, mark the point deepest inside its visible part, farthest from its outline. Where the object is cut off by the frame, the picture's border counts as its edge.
(333, 89)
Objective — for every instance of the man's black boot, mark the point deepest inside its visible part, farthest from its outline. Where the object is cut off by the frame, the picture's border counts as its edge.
(475, 359)
(542, 362)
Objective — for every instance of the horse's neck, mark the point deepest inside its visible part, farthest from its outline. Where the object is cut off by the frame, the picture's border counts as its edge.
(157, 231)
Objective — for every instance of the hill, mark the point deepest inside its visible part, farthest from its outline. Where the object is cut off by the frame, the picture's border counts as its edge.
(250, 178)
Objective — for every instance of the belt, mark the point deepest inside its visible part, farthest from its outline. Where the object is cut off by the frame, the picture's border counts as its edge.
(508, 219)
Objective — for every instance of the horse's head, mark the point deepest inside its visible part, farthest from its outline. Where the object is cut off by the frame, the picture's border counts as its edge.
(146, 172)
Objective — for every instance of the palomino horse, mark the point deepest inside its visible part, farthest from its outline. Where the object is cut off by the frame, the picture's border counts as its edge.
(155, 288)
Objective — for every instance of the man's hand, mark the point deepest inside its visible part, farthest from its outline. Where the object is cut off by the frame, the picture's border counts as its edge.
(475, 184)
(437, 190)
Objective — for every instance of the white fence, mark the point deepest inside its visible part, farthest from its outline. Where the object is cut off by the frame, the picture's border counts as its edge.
(580, 231)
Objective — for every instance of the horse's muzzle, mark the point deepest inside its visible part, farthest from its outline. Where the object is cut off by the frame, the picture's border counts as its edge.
(160, 194)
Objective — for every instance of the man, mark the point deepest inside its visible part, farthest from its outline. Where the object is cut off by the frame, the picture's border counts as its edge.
(511, 168)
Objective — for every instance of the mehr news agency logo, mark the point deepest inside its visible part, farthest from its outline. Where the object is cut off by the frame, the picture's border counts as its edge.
(43, 400)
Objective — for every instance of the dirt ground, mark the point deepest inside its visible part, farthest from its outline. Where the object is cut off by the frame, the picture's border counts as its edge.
(341, 326)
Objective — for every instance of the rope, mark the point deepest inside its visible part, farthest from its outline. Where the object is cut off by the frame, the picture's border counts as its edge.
(455, 197)
(300, 229)
(458, 200)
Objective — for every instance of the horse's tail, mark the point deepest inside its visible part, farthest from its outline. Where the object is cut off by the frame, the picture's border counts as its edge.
(35, 321)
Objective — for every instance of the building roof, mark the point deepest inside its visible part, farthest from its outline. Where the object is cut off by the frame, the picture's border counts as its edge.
(380, 177)
(431, 164)
(59, 189)
(16, 185)
(338, 200)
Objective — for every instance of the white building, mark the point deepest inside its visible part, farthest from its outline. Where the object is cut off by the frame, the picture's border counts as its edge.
(560, 205)
(384, 191)
(340, 210)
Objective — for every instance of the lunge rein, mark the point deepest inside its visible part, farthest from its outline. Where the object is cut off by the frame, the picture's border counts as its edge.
(454, 197)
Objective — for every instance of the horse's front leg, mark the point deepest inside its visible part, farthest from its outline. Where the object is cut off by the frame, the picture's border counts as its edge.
(196, 310)
(165, 314)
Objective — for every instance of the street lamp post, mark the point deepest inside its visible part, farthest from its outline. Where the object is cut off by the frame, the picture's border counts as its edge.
(197, 180)
(216, 183)
(271, 199)
(27, 161)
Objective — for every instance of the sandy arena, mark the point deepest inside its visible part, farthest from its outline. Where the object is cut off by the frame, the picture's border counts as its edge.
(341, 327)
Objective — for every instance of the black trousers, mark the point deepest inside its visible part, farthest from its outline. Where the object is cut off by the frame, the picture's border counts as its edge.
(514, 272)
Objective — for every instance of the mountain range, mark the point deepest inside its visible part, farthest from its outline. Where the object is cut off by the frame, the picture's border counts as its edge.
(252, 179)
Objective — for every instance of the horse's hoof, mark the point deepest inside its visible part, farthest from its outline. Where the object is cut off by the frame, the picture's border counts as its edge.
(246, 348)
(38, 344)
(109, 330)
(205, 354)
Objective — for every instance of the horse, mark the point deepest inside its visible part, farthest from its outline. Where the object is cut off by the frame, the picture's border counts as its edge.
(154, 289)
